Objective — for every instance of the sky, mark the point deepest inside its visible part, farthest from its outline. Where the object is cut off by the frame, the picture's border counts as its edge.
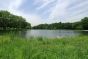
(47, 11)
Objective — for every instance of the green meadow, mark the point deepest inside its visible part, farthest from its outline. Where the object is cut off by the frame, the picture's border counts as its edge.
(12, 47)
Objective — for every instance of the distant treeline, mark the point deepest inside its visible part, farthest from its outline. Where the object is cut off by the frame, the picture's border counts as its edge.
(10, 21)
(83, 24)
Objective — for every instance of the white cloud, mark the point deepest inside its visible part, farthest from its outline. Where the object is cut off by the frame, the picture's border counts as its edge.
(10, 5)
(45, 3)
(15, 4)
(40, 1)
(6, 4)
(82, 4)
(34, 19)
(59, 9)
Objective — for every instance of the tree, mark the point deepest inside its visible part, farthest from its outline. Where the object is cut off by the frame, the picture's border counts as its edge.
(8, 21)
(77, 25)
(84, 23)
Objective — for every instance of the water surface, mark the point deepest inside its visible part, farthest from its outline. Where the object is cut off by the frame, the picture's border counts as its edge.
(46, 33)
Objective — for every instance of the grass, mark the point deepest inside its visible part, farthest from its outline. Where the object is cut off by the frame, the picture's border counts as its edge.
(12, 47)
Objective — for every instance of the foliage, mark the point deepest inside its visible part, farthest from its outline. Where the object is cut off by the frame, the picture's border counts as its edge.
(8, 21)
(83, 24)
(54, 26)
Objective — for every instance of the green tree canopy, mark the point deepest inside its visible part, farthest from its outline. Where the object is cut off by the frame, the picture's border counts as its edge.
(84, 23)
(8, 21)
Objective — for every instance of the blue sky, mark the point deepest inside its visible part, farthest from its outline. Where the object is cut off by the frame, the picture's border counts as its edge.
(47, 11)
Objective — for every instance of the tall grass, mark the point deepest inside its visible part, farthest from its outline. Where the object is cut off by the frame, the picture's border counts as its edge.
(12, 47)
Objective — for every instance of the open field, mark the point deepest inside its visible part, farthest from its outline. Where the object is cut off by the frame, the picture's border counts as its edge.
(12, 47)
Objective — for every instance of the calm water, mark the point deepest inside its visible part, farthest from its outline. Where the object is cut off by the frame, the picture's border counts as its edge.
(46, 33)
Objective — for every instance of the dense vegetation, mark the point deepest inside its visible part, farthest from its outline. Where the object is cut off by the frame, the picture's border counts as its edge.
(12, 47)
(10, 21)
(83, 24)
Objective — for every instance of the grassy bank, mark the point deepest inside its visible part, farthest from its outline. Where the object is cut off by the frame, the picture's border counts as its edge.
(12, 47)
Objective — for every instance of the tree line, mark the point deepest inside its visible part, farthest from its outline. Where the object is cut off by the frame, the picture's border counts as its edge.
(10, 21)
(80, 25)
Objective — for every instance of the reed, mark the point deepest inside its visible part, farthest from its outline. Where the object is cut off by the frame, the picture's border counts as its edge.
(12, 47)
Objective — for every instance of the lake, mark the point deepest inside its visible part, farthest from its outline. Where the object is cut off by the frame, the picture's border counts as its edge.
(46, 33)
